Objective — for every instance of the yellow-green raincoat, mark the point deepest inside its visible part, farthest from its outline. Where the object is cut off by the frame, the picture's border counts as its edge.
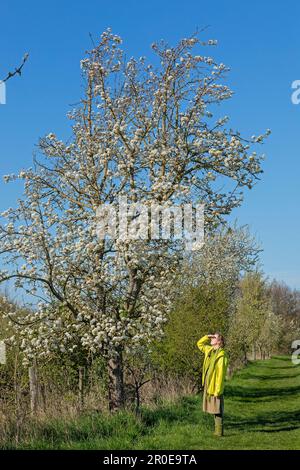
(215, 386)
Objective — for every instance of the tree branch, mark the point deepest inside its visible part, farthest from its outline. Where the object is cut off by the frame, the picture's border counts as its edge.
(17, 70)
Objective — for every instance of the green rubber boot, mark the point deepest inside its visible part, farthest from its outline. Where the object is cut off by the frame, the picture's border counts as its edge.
(219, 431)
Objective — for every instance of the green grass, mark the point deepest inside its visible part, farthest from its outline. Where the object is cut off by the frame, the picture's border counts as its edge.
(262, 411)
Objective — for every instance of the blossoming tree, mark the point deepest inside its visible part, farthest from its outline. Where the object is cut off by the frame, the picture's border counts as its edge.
(142, 131)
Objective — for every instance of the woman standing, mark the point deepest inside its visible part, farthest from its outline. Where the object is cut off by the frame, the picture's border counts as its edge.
(213, 377)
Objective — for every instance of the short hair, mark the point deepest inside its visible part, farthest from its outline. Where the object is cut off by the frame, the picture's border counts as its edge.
(221, 338)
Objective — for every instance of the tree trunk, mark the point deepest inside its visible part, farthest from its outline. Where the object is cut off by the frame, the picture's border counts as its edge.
(245, 358)
(116, 382)
(33, 386)
(42, 396)
(17, 399)
(260, 351)
(254, 352)
(199, 383)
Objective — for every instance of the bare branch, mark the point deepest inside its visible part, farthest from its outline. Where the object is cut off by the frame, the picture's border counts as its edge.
(18, 70)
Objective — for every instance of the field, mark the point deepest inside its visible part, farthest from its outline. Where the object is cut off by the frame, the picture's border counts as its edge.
(262, 411)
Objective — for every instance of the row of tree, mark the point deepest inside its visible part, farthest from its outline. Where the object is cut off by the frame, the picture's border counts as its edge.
(224, 290)
(146, 132)
(217, 289)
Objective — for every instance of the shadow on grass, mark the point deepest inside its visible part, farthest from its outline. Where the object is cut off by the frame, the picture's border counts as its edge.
(270, 377)
(266, 422)
(248, 393)
(291, 367)
(272, 420)
(281, 358)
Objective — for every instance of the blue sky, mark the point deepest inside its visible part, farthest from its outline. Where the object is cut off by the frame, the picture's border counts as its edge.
(258, 40)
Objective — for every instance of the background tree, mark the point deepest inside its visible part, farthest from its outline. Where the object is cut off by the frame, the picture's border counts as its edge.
(206, 296)
(251, 317)
(286, 306)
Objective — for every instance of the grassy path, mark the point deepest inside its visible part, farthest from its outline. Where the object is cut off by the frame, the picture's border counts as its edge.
(262, 411)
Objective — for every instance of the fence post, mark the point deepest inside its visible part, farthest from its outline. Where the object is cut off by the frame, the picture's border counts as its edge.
(33, 386)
